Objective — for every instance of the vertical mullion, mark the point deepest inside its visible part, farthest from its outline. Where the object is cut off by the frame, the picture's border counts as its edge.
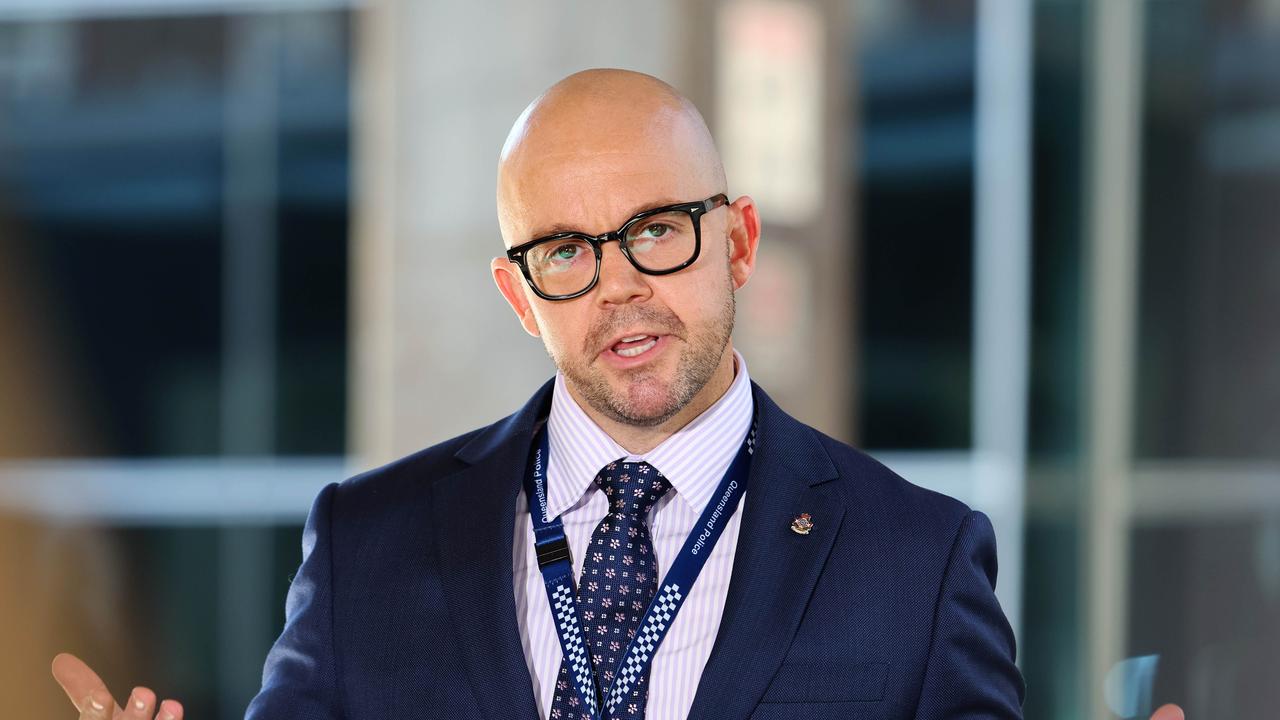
(1112, 195)
(1001, 283)
(249, 290)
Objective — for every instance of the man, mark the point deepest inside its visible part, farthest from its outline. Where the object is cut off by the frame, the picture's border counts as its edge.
(826, 586)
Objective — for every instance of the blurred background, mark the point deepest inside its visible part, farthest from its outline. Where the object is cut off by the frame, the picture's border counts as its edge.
(1024, 252)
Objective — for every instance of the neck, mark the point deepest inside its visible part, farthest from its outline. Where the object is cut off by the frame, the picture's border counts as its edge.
(640, 439)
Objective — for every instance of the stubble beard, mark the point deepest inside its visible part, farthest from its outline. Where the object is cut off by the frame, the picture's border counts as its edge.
(648, 399)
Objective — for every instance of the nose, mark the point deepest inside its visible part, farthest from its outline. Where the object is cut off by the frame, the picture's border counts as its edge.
(620, 282)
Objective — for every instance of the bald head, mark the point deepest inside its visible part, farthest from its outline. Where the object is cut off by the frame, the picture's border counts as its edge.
(618, 132)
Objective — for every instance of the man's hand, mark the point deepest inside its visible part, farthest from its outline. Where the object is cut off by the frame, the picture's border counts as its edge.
(1168, 712)
(91, 697)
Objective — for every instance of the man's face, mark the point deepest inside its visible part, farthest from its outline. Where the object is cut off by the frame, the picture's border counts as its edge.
(637, 348)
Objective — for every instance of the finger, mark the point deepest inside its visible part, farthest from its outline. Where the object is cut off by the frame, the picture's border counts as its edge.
(79, 681)
(97, 705)
(170, 710)
(1168, 712)
(140, 704)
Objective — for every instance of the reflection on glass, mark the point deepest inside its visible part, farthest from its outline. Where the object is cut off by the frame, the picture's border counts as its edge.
(1129, 685)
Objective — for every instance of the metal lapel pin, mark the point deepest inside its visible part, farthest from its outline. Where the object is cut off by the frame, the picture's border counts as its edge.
(802, 524)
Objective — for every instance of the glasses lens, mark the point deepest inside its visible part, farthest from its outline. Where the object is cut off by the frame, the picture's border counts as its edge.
(663, 241)
(561, 267)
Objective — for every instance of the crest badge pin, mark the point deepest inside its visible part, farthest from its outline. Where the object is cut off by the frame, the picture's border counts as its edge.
(802, 524)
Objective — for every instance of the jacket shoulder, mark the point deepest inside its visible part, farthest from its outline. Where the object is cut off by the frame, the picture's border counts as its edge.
(404, 485)
(864, 481)
(874, 490)
(411, 475)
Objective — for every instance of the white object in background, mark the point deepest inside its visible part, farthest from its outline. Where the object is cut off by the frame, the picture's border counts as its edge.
(768, 107)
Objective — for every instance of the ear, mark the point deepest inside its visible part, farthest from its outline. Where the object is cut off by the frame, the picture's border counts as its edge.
(510, 282)
(744, 238)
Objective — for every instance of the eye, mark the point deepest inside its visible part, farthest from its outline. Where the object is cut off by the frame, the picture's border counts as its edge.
(555, 257)
(656, 230)
(565, 252)
(648, 237)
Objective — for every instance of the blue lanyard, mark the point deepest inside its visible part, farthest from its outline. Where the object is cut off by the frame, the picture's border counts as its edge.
(555, 562)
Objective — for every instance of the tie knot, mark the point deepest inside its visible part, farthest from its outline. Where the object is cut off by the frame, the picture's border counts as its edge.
(632, 488)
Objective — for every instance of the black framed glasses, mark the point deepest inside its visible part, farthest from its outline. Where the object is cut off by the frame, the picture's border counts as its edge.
(659, 241)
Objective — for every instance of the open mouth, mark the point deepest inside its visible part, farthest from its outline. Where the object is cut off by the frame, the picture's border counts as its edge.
(635, 345)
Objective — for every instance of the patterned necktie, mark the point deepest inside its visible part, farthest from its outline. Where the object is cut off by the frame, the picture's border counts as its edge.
(619, 579)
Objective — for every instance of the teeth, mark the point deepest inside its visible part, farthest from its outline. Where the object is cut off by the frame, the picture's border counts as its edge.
(633, 338)
(632, 352)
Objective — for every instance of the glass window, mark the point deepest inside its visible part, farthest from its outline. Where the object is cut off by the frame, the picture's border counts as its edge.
(916, 73)
(117, 155)
(1208, 379)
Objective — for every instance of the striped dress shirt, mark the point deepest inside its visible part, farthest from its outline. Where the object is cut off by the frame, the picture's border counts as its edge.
(694, 459)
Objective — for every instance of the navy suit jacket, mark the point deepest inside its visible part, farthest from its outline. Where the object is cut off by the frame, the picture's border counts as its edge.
(403, 606)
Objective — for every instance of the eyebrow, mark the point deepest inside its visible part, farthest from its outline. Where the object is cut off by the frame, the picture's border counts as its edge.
(558, 228)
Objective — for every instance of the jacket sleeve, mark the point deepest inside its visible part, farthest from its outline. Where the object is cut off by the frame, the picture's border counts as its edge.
(300, 678)
(970, 671)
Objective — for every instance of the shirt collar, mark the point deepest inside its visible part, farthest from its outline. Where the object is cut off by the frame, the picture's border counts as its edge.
(693, 459)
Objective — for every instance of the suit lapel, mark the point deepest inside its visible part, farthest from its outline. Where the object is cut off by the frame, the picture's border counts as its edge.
(474, 521)
(774, 569)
